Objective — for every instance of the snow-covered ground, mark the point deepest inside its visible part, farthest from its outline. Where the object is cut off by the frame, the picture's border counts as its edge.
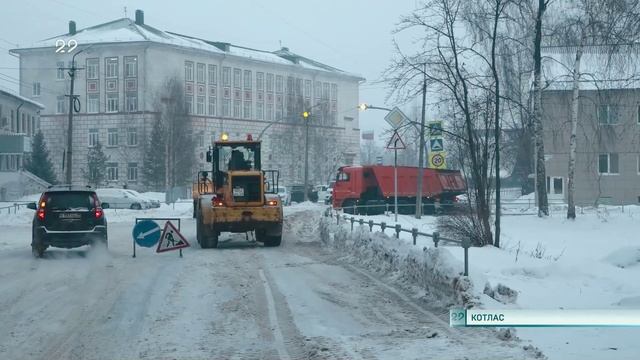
(243, 301)
(590, 263)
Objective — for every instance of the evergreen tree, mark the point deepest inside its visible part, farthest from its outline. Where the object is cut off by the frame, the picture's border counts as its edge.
(39, 162)
(153, 170)
(96, 165)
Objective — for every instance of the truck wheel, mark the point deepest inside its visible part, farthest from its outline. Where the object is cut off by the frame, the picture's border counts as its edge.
(348, 207)
(272, 241)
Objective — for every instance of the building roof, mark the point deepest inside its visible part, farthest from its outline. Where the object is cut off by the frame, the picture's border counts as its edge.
(11, 94)
(601, 67)
(128, 30)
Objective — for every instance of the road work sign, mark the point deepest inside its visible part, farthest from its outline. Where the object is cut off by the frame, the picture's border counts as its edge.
(146, 233)
(437, 160)
(171, 239)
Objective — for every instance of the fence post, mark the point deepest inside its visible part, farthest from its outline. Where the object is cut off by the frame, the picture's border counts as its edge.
(352, 221)
(361, 221)
(398, 229)
(383, 226)
(387, 211)
(466, 243)
(337, 219)
(370, 225)
(414, 233)
(436, 238)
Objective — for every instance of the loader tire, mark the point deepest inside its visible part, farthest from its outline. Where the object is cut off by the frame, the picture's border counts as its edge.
(207, 238)
(272, 241)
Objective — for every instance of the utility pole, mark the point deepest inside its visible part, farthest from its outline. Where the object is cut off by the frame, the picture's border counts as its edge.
(422, 144)
(72, 102)
(305, 116)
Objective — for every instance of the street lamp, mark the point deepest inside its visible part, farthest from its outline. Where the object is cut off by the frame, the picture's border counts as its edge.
(305, 116)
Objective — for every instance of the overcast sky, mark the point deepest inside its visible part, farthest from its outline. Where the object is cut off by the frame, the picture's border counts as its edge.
(353, 35)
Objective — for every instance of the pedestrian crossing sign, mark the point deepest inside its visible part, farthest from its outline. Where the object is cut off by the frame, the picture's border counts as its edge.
(436, 144)
(171, 239)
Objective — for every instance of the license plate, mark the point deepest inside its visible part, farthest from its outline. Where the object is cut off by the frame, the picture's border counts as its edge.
(238, 192)
(70, 216)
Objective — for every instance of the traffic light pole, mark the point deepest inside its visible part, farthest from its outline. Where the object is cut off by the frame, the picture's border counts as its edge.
(306, 158)
(422, 144)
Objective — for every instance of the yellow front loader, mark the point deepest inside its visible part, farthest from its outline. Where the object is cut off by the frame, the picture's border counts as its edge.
(237, 195)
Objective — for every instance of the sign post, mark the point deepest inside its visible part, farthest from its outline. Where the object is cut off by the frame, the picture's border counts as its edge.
(396, 144)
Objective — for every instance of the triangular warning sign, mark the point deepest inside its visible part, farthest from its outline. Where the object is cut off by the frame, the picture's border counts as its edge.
(171, 239)
(396, 142)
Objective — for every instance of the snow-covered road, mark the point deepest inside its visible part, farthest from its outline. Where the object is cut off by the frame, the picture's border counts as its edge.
(298, 301)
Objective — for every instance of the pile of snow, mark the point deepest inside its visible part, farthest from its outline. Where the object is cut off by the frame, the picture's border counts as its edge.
(433, 270)
(550, 263)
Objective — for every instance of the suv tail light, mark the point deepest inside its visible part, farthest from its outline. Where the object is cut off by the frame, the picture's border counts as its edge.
(97, 210)
(41, 206)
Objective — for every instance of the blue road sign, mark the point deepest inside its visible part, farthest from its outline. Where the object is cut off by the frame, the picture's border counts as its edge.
(146, 233)
(437, 145)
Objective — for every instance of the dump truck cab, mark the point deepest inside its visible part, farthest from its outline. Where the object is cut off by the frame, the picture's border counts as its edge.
(236, 195)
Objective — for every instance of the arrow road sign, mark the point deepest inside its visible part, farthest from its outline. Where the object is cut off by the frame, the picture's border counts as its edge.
(436, 144)
(146, 233)
(396, 142)
(171, 239)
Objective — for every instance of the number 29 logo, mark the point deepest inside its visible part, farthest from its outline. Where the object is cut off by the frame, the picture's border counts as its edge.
(69, 45)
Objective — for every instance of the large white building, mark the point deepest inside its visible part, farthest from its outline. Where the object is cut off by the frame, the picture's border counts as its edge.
(228, 88)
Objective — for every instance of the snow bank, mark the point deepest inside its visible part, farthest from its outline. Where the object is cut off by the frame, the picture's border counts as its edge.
(433, 270)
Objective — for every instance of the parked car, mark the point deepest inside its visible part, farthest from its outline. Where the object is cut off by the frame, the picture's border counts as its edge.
(154, 203)
(297, 194)
(323, 193)
(284, 195)
(68, 217)
(122, 199)
(329, 199)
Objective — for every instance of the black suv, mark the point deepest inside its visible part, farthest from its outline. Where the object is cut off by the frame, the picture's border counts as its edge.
(68, 217)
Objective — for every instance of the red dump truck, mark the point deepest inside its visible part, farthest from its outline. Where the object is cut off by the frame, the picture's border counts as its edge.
(369, 189)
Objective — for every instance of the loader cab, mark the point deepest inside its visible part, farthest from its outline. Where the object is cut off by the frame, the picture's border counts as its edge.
(233, 156)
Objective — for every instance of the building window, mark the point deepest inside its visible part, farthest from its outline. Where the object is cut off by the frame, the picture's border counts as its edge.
(608, 114)
(317, 90)
(111, 67)
(608, 163)
(132, 136)
(279, 83)
(237, 78)
(60, 70)
(325, 91)
(60, 105)
(259, 111)
(188, 103)
(269, 82)
(212, 105)
(236, 108)
(93, 68)
(36, 89)
(307, 88)
(260, 81)
(247, 110)
(200, 105)
(93, 103)
(132, 172)
(131, 102)
(112, 102)
(112, 171)
(226, 107)
(638, 115)
(226, 76)
(130, 66)
(200, 72)
(248, 79)
(201, 139)
(213, 79)
(93, 137)
(112, 137)
(334, 92)
(269, 115)
(188, 70)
